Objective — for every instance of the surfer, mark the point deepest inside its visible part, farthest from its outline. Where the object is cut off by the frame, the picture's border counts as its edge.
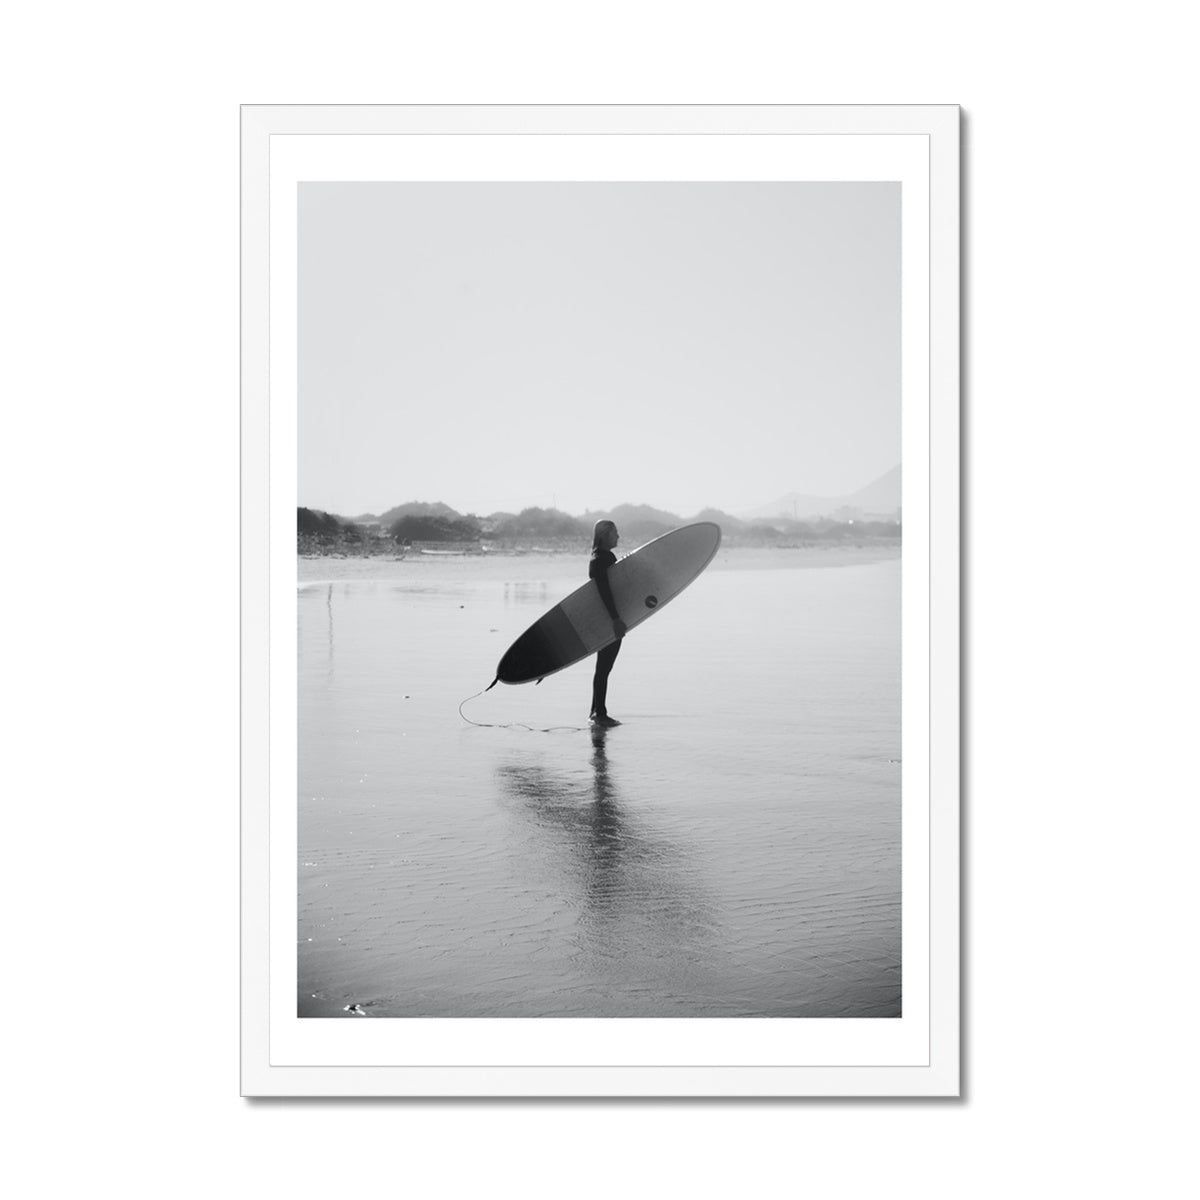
(604, 539)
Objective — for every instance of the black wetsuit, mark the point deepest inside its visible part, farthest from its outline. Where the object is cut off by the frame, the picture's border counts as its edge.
(598, 570)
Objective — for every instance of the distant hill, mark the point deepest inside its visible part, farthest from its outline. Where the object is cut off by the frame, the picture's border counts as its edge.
(880, 498)
(727, 522)
(538, 523)
(416, 508)
(636, 522)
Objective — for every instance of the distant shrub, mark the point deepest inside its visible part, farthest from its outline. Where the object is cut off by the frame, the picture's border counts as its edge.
(316, 524)
(414, 528)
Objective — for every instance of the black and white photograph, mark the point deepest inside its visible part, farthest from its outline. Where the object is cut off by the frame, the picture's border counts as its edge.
(532, 416)
(598, 600)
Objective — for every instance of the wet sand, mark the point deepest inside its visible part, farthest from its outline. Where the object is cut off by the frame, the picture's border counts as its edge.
(731, 850)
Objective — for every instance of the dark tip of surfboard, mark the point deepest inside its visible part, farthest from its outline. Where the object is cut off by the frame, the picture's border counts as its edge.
(492, 684)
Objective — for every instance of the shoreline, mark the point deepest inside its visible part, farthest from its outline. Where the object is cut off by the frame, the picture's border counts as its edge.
(553, 563)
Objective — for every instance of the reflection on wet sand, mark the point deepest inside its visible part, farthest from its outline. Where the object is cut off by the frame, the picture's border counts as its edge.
(637, 896)
(526, 592)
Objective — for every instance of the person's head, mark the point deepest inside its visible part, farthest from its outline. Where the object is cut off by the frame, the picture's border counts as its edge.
(605, 536)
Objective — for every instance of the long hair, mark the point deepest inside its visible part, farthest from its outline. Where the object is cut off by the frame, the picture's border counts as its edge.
(601, 528)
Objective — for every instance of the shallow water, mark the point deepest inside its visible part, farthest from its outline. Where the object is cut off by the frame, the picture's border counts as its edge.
(733, 849)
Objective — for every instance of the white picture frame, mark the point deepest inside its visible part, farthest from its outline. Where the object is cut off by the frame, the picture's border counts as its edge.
(917, 1055)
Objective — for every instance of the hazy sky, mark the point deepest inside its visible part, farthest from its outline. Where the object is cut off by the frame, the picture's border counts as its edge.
(502, 345)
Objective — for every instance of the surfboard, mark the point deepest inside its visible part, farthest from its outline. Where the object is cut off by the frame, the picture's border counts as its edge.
(642, 582)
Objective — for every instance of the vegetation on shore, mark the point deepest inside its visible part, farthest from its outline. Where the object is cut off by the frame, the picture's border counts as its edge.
(418, 526)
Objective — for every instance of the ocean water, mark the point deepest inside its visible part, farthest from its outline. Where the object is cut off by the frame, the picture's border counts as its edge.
(732, 849)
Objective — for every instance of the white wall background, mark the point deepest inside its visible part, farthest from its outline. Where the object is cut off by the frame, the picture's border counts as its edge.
(119, 470)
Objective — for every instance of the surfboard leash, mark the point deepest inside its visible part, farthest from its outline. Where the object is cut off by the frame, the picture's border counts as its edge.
(512, 724)
(476, 697)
